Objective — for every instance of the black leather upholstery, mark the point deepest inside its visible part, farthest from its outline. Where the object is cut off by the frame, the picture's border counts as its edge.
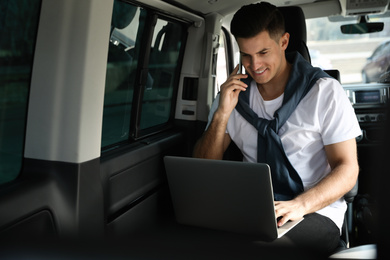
(350, 196)
(333, 73)
(295, 24)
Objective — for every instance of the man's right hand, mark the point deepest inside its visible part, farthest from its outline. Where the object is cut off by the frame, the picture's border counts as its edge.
(229, 92)
(215, 140)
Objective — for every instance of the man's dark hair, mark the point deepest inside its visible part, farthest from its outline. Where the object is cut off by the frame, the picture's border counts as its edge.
(253, 19)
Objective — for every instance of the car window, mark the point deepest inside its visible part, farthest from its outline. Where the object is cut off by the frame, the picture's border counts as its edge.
(143, 64)
(351, 54)
(385, 49)
(378, 51)
(18, 30)
(162, 74)
(122, 61)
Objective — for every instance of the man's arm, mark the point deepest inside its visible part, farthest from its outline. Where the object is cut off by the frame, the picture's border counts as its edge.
(342, 158)
(215, 140)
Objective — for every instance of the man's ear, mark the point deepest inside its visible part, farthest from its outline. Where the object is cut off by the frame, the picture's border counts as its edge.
(284, 40)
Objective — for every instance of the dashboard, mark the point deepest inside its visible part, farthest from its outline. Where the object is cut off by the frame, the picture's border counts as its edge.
(370, 102)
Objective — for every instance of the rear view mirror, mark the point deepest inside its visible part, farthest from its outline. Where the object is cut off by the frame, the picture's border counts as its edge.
(362, 27)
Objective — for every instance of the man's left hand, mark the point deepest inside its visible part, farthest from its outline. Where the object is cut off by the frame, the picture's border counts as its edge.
(289, 210)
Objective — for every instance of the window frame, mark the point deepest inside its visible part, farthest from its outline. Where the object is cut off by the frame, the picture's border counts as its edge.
(135, 131)
(228, 49)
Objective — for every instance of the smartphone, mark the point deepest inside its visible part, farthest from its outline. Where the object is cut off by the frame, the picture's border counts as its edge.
(239, 65)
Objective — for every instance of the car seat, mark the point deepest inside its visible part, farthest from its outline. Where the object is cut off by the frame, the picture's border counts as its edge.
(295, 25)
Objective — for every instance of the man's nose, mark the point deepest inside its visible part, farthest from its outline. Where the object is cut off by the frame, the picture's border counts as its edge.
(255, 62)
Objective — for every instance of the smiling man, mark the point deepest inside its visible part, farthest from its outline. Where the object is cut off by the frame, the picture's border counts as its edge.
(293, 117)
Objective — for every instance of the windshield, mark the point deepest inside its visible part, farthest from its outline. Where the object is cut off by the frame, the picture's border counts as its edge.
(360, 58)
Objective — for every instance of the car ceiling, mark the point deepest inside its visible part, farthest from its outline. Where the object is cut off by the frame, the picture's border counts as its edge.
(225, 7)
(311, 8)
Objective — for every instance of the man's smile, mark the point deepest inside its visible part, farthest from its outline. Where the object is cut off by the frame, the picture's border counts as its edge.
(259, 72)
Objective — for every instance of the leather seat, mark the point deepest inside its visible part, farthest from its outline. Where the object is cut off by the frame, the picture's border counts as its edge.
(295, 25)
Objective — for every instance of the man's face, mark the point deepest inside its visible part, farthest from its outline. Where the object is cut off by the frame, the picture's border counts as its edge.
(262, 56)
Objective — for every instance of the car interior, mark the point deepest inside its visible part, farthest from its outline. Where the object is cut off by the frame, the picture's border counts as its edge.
(95, 93)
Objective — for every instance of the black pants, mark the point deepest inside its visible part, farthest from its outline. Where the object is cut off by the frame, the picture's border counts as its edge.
(316, 233)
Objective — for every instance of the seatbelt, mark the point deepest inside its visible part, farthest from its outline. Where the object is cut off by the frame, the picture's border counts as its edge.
(286, 181)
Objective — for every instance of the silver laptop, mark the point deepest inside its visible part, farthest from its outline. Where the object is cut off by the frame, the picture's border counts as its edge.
(224, 195)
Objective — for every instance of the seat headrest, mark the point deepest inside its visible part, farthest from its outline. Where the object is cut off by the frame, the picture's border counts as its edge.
(295, 24)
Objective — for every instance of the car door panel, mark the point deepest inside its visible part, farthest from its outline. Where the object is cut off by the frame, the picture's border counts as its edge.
(135, 181)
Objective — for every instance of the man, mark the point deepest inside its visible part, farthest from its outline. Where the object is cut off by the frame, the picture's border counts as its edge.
(317, 138)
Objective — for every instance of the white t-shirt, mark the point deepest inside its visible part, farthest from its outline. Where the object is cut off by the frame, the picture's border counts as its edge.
(324, 116)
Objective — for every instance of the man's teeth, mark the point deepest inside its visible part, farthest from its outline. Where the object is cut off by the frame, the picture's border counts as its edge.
(259, 71)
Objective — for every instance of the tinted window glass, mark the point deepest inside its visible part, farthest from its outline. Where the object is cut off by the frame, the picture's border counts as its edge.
(163, 67)
(127, 27)
(142, 73)
(18, 29)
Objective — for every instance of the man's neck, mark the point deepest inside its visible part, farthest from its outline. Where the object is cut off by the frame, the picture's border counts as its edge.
(276, 86)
